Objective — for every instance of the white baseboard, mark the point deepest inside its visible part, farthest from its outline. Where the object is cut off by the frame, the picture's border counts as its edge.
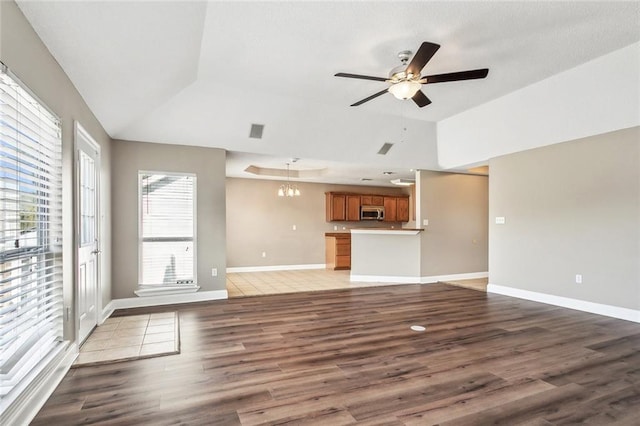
(27, 405)
(565, 302)
(275, 268)
(417, 280)
(140, 302)
(384, 279)
(106, 313)
(454, 277)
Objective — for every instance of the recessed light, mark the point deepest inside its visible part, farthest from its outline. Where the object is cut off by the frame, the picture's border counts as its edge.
(418, 328)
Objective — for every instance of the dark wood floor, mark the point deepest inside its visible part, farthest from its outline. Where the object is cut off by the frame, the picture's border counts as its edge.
(349, 357)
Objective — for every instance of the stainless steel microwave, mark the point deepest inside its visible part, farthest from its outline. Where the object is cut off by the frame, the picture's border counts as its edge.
(371, 213)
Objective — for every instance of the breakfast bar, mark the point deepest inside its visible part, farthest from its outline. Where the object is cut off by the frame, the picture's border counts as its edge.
(385, 255)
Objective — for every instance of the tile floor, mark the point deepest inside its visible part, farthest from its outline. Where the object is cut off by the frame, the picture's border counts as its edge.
(127, 337)
(241, 284)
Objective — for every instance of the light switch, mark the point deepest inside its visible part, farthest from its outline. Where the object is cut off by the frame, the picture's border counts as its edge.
(425, 222)
(500, 220)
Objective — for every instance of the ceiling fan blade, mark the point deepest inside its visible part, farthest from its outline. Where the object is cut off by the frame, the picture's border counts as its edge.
(421, 99)
(422, 56)
(362, 77)
(382, 92)
(456, 76)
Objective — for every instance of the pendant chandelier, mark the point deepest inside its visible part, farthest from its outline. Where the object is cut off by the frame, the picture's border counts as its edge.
(288, 190)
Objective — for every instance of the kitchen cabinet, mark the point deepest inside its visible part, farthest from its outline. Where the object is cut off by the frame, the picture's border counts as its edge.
(338, 250)
(371, 200)
(396, 209)
(402, 209)
(390, 209)
(353, 207)
(336, 207)
(341, 206)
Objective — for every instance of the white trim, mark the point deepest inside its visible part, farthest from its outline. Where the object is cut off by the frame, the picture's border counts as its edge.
(384, 279)
(417, 280)
(374, 231)
(234, 269)
(83, 137)
(565, 302)
(139, 302)
(454, 277)
(106, 313)
(195, 219)
(27, 405)
(161, 290)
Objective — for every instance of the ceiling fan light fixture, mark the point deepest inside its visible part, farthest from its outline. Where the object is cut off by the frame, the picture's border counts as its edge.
(404, 89)
(403, 182)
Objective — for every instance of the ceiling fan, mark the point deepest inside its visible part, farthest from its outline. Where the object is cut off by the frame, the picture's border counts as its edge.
(405, 80)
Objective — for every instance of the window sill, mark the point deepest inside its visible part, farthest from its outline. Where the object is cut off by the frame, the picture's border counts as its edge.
(163, 290)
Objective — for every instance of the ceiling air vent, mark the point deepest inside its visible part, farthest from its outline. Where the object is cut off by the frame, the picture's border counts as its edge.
(385, 148)
(256, 131)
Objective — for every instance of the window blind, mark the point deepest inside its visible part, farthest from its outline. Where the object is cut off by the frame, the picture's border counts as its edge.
(31, 305)
(167, 229)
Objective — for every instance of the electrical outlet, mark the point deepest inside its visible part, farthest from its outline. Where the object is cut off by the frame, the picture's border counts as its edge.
(335, 227)
(425, 222)
(214, 272)
(264, 254)
(578, 278)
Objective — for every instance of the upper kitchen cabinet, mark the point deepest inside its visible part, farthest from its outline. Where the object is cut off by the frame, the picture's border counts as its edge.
(353, 207)
(396, 209)
(336, 207)
(402, 209)
(390, 209)
(371, 200)
(341, 207)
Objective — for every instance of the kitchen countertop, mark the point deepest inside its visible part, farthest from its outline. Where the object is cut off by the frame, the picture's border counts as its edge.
(338, 234)
(387, 231)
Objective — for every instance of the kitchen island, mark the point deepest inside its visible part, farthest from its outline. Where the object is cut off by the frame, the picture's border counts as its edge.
(385, 255)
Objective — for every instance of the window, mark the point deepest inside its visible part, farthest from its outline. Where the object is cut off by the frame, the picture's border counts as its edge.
(167, 230)
(31, 306)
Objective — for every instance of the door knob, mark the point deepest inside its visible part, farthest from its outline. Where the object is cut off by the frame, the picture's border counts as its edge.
(96, 251)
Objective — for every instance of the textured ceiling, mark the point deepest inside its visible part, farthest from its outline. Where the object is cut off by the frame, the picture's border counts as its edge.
(201, 73)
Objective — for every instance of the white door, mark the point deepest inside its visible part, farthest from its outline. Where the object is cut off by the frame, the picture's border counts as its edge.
(87, 227)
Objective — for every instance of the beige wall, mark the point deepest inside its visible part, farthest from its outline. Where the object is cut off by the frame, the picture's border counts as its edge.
(456, 239)
(571, 208)
(26, 56)
(208, 164)
(260, 221)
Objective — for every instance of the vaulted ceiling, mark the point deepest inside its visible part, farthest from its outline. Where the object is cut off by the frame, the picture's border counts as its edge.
(200, 73)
